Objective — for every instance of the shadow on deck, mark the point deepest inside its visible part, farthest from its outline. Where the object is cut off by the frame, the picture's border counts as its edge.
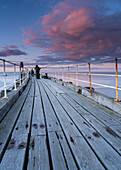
(52, 127)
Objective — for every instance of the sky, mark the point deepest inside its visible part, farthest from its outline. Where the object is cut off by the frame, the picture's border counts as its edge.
(52, 32)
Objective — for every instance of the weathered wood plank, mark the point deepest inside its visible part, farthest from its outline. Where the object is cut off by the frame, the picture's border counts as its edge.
(99, 145)
(51, 120)
(109, 118)
(66, 151)
(7, 125)
(77, 143)
(38, 154)
(117, 130)
(23, 123)
(57, 157)
(105, 117)
(20, 137)
(38, 123)
(105, 131)
(14, 157)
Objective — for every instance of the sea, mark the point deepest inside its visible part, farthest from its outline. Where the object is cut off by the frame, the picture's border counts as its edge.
(9, 80)
(105, 80)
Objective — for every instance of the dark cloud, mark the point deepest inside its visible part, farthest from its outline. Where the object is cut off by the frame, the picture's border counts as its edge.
(52, 60)
(11, 50)
(12, 46)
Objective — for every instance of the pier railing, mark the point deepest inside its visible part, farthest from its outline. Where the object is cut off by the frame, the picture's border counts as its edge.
(9, 70)
(72, 73)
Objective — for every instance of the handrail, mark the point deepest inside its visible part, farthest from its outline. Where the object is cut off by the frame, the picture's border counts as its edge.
(23, 75)
(54, 71)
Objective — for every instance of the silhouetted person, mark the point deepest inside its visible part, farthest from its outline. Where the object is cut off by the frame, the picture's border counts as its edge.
(37, 72)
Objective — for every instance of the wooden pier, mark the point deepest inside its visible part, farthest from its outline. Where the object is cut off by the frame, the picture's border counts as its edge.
(52, 127)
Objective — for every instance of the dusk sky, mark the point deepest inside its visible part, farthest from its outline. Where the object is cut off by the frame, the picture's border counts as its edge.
(47, 32)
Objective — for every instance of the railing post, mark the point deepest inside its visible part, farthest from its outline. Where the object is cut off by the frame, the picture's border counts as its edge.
(90, 77)
(27, 73)
(116, 66)
(62, 74)
(20, 75)
(53, 73)
(77, 75)
(15, 77)
(68, 75)
(58, 74)
(4, 74)
(23, 75)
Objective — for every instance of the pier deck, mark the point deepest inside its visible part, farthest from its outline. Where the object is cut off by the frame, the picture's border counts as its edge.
(52, 127)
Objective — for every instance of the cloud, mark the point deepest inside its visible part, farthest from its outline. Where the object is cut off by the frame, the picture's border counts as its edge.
(11, 50)
(53, 60)
(13, 46)
(78, 30)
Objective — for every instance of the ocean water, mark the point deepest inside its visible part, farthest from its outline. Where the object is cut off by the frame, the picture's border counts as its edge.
(9, 79)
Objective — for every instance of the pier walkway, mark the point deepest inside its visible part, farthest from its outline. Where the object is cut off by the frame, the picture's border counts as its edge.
(52, 127)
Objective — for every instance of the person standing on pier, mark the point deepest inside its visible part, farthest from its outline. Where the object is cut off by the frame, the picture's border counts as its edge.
(37, 68)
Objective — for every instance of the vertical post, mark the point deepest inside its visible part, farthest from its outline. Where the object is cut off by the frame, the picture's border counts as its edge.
(15, 77)
(116, 66)
(40, 72)
(58, 74)
(90, 77)
(27, 73)
(62, 73)
(53, 73)
(20, 74)
(23, 75)
(77, 75)
(68, 74)
(4, 74)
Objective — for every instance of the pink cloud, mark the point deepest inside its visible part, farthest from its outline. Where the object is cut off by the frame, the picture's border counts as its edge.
(77, 31)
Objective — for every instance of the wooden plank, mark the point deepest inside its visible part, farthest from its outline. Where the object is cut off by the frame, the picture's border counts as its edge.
(104, 151)
(85, 103)
(117, 130)
(105, 110)
(57, 157)
(107, 132)
(23, 123)
(38, 123)
(38, 154)
(80, 148)
(14, 157)
(109, 118)
(66, 151)
(100, 146)
(51, 120)
(7, 125)
(20, 138)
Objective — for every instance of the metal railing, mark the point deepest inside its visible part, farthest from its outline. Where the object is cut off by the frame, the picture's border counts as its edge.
(22, 73)
(59, 72)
